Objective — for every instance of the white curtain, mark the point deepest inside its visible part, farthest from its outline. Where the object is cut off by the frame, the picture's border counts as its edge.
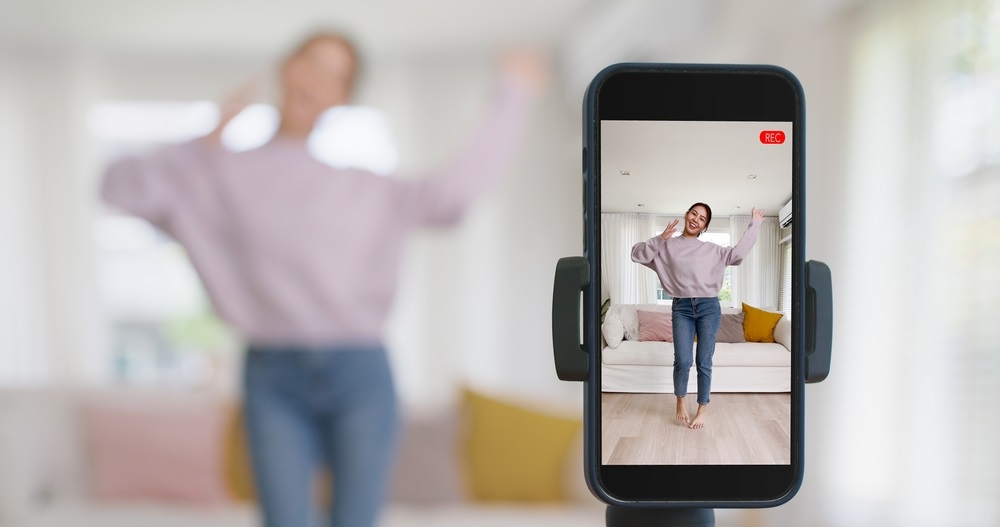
(622, 280)
(756, 280)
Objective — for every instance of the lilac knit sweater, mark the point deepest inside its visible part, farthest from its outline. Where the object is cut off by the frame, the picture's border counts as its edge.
(292, 251)
(690, 268)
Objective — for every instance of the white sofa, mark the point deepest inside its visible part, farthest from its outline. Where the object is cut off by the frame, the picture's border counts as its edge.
(635, 366)
(44, 480)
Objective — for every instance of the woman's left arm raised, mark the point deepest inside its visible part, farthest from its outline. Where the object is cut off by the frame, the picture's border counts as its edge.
(734, 255)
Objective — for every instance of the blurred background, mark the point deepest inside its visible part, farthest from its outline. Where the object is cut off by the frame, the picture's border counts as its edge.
(903, 172)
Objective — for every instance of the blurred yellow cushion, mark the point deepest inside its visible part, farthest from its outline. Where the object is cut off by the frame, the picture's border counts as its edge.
(758, 325)
(515, 453)
(237, 472)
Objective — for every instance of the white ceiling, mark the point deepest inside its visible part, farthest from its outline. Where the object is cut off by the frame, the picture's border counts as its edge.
(603, 31)
(675, 164)
(267, 27)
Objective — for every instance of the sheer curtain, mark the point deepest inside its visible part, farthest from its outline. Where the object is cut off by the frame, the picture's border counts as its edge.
(756, 280)
(622, 280)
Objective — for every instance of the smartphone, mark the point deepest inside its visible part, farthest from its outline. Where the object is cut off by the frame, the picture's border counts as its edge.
(695, 394)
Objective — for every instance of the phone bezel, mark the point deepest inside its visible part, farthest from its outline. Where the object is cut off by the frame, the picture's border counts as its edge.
(710, 93)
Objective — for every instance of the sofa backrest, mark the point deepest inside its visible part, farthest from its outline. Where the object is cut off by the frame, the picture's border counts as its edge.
(42, 438)
(621, 319)
(630, 321)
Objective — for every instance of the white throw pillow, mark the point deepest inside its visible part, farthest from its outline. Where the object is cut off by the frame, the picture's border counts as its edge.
(613, 329)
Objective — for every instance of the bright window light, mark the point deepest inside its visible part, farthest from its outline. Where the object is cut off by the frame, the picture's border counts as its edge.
(125, 233)
(252, 128)
(355, 137)
(151, 121)
(345, 136)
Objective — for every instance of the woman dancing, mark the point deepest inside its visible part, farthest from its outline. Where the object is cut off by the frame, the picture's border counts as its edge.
(691, 272)
(302, 261)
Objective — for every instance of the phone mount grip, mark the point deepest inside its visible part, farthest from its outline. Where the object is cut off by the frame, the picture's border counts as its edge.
(572, 275)
(819, 320)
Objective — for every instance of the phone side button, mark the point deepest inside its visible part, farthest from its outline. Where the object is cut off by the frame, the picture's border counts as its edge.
(584, 160)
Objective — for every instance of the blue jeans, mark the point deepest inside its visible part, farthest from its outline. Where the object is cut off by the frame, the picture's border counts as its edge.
(310, 408)
(690, 316)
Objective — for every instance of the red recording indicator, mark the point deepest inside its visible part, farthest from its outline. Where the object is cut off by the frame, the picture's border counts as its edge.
(772, 137)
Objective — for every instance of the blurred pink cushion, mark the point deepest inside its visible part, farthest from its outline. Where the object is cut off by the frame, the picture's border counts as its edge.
(655, 326)
(171, 454)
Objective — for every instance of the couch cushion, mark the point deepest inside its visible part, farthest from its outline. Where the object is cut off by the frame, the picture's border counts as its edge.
(427, 470)
(758, 326)
(654, 326)
(731, 329)
(627, 314)
(726, 354)
(167, 450)
(613, 329)
(514, 452)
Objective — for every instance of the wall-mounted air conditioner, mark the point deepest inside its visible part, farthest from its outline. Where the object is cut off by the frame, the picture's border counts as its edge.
(785, 216)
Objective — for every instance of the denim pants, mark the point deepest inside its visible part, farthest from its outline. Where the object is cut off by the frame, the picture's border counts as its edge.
(691, 316)
(310, 408)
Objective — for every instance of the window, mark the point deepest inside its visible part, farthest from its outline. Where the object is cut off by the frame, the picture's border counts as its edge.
(785, 280)
(160, 326)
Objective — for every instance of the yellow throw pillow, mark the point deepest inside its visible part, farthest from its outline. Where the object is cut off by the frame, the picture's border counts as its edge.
(515, 453)
(237, 471)
(758, 325)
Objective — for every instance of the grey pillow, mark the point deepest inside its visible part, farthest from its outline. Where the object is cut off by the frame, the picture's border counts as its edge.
(428, 470)
(731, 329)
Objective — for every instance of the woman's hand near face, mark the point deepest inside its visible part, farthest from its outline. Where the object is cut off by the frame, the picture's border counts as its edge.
(669, 231)
(529, 69)
(235, 102)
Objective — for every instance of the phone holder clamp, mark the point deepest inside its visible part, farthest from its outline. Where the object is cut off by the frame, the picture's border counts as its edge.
(573, 364)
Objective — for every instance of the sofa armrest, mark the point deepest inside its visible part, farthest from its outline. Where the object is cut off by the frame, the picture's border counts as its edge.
(39, 452)
(783, 332)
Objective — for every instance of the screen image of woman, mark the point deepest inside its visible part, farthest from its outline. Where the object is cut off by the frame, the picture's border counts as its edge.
(691, 271)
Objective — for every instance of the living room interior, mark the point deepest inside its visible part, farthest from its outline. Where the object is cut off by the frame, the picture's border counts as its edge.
(651, 173)
(108, 334)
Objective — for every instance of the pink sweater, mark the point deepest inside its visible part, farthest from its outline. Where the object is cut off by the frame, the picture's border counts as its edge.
(690, 268)
(292, 251)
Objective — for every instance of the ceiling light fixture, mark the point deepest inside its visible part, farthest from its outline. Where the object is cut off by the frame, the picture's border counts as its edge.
(752, 176)
(624, 172)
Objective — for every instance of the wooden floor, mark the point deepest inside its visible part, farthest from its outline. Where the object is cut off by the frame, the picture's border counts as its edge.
(742, 429)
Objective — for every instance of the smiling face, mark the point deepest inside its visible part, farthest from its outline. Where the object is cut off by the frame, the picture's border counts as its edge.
(316, 77)
(696, 220)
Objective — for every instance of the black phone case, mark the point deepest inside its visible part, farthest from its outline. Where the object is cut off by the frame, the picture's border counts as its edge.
(591, 296)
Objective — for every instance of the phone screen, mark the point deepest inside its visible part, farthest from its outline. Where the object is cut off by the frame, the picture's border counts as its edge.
(699, 395)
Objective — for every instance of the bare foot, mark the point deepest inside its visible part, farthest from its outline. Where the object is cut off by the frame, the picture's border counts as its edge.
(682, 413)
(699, 418)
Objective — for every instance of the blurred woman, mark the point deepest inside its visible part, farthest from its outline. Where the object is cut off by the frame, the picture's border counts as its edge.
(302, 261)
(691, 272)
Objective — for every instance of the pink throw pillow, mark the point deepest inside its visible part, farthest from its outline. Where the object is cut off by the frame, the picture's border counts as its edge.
(655, 326)
(155, 454)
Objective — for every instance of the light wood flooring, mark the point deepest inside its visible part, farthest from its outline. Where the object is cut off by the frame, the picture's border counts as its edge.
(742, 429)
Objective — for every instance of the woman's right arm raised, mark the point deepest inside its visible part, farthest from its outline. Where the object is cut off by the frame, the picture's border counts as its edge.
(151, 185)
(146, 186)
(645, 252)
